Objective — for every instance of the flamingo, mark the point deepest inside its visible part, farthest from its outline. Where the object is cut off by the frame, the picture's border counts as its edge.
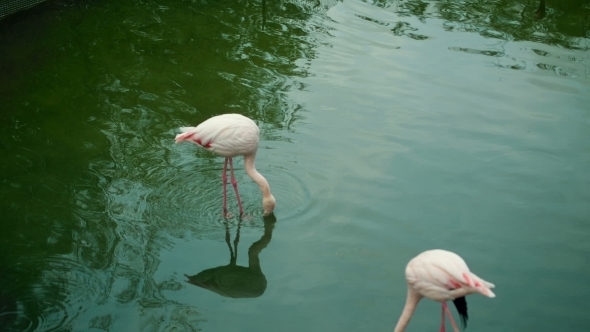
(230, 135)
(441, 276)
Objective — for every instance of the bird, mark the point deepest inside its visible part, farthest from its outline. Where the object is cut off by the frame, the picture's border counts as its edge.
(441, 275)
(231, 135)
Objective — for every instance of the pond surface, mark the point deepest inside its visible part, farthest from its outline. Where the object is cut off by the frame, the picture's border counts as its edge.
(387, 128)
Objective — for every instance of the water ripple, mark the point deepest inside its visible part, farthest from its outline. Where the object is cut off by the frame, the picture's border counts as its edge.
(405, 29)
(62, 290)
(476, 51)
(291, 185)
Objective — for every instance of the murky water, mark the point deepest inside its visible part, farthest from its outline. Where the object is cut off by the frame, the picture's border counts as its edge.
(387, 128)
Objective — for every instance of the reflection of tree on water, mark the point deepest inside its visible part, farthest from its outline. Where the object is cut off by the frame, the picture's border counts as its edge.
(8, 304)
(233, 280)
(540, 12)
(86, 219)
(566, 22)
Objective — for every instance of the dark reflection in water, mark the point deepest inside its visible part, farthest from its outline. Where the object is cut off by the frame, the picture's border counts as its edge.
(43, 294)
(566, 23)
(91, 189)
(233, 280)
(8, 304)
(540, 12)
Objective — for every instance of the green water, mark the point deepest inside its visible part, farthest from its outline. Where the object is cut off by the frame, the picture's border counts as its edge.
(387, 128)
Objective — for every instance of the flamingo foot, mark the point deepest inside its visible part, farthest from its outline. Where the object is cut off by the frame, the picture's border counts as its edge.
(243, 216)
(246, 217)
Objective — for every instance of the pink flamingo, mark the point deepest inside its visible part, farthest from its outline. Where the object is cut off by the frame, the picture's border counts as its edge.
(441, 276)
(230, 135)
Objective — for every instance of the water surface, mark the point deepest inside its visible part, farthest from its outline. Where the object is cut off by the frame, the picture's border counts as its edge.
(387, 128)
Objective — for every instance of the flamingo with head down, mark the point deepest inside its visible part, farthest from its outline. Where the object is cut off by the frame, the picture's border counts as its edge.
(441, 276)
(231, 135)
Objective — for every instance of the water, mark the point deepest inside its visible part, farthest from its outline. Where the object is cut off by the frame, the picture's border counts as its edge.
(387, 128)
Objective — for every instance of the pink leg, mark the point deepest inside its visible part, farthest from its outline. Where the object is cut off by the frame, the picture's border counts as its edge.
(442, 318)
(224, 179)
(446, 309)
(235, 184)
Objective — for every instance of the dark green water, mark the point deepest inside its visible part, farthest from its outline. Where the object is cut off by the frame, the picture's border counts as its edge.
(387, 128)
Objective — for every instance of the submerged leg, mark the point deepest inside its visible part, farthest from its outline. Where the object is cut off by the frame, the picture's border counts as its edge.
(235, 184)
(446, 309)
(224, 179)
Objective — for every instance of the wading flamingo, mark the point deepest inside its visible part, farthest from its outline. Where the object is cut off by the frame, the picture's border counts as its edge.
(441, 276)
(230, 135)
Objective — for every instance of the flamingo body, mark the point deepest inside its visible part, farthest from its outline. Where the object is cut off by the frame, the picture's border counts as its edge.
(441, 276)
(228, 135)
(231, 135)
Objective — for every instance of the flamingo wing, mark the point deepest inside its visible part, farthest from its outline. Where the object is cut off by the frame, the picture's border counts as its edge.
(443, 275)
(228, 135)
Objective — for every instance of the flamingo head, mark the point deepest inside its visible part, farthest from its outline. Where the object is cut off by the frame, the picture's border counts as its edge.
(268, 204)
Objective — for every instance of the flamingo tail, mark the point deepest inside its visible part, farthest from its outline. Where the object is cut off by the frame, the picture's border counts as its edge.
(461, 305)
(187, 132)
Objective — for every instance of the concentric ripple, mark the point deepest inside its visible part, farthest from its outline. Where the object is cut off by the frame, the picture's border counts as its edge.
(289, 183)
(57, 290)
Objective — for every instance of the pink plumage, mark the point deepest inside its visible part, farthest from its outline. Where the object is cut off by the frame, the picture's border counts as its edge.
(441, 276)
(227, 135)
(231, 135)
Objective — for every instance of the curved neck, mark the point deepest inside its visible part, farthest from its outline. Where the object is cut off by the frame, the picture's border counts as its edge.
(411, 303)
(257, 177)
(256, 247)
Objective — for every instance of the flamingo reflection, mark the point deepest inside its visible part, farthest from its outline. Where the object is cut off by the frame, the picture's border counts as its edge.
(233, 280)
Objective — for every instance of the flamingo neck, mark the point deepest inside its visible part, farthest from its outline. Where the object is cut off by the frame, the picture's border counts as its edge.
(268, 200)
(411, 303)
